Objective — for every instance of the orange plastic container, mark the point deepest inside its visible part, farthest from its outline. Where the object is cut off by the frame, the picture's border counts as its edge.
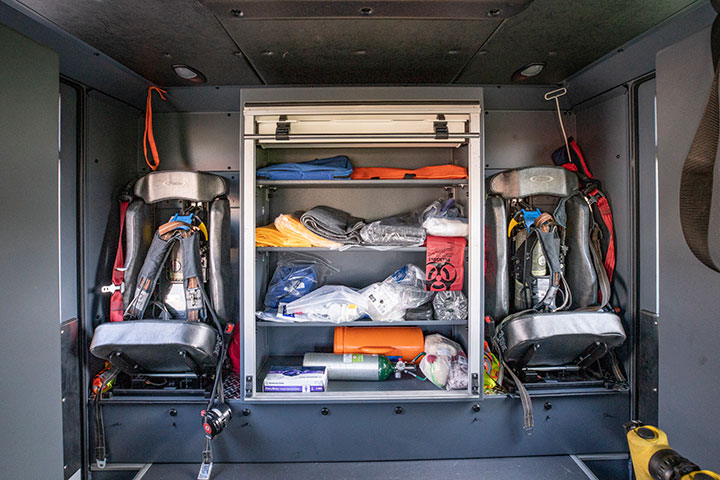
(404, 342)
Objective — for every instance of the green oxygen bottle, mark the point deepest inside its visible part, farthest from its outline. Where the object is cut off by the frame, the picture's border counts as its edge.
(351, 366)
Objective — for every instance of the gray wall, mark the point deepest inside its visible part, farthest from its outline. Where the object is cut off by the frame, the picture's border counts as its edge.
(30, 432)
(689, 334)
(603, 136)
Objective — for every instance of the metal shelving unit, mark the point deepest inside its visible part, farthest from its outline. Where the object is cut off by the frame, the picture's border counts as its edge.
(266, 342)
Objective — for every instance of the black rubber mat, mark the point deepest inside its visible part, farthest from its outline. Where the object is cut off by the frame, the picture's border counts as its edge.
(537, 468)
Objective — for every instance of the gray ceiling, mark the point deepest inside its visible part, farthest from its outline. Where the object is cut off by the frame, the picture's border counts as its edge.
(320, 42)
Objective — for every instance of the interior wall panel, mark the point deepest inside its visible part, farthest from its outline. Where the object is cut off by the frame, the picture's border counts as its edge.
(30, 425)
(689, 332)
(603, 136)
(516, 139)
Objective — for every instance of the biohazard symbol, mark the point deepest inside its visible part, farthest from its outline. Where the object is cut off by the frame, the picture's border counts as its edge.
(440, 276)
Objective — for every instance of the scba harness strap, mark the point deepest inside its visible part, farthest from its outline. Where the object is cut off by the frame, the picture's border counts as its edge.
(165, 238)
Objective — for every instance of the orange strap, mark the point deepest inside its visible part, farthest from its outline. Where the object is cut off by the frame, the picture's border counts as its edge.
(430, 172)
(149, 137)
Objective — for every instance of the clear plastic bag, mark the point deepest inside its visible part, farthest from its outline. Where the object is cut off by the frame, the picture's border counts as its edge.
(390, 299)
(445, 363)
(295, 275)
(402, 230)
(450, 306)
(330, 303)
(445, 219)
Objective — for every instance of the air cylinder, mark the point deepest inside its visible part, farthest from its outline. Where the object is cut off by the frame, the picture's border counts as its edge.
(351, 366)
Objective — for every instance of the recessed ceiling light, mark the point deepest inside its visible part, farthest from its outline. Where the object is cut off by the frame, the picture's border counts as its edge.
(188, 73)
(528, 71)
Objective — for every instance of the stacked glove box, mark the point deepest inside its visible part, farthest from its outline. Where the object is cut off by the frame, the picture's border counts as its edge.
(394, 134)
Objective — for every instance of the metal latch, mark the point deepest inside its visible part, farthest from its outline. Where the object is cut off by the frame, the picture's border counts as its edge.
(475, 385)
(112, 288)
(248, 386)
(441, 128)
(282, 130)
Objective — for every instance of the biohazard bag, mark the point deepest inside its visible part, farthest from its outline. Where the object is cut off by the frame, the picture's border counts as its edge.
(445, 263)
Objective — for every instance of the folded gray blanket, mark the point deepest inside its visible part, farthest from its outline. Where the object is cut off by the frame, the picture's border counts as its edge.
(402, 230)
(333, 224)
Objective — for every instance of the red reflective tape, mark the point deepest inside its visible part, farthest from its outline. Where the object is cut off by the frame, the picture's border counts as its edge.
(118, 273)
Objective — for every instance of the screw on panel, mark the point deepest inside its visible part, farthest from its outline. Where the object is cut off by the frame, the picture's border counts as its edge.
(236, 12)
(246, 412)
(547, 405)
(172, 412)
(476, 408)
(399, 410)
(325, 411)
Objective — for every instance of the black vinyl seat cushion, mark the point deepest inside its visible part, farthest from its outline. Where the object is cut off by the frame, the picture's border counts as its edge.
(155, 345)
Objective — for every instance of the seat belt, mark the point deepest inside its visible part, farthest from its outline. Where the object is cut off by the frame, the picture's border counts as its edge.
(696, 181)
(117, 287)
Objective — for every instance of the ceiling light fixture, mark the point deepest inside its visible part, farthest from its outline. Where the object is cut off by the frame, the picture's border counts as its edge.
(528, 71)
(188, 73)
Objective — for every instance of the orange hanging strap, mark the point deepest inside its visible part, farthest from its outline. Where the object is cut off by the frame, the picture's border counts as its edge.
(148, 137)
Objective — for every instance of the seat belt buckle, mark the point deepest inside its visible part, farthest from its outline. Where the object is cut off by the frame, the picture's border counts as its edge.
(205, 471)
(112, 288)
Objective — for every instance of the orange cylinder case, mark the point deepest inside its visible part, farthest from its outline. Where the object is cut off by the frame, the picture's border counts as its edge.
(404, 342)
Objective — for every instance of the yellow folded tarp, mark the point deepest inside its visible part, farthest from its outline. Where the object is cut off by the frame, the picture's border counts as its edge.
(288, 231)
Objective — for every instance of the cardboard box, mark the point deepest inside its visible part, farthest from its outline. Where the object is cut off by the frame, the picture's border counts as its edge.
(296, 379)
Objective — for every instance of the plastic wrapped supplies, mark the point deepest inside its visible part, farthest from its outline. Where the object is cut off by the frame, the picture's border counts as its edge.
(330, 303)
(445, 363)
(402, 230)
(450, 306)
(445, 219)
(390, 299)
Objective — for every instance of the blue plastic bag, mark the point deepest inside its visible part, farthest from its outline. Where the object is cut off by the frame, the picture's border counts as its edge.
(290, 282)
(319, 169)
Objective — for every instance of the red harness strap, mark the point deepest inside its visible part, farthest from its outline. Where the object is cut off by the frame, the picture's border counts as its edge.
(118, 273)
(606, 213)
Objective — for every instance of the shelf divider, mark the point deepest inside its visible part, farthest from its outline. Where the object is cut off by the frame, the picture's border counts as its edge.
(344, 183)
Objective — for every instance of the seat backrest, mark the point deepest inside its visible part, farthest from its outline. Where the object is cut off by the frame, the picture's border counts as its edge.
(163, 186)
(529, 184)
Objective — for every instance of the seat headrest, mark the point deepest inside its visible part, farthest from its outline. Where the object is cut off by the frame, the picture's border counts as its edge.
(526, 182)
(180, 185)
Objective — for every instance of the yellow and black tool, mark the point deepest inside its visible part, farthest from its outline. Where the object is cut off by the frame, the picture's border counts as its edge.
(653, 459)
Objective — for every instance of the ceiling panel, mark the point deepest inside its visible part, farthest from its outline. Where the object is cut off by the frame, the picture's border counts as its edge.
(359, 51)
(566, 35)
(151, 35)
(293, 9)
(435, 41)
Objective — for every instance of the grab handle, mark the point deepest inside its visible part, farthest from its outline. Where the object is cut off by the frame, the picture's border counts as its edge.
(377, 350)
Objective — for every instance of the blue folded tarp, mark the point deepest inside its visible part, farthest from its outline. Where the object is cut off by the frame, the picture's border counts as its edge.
(319, 169)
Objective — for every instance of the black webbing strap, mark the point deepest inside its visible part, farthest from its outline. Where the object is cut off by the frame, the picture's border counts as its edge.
(696, 182)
